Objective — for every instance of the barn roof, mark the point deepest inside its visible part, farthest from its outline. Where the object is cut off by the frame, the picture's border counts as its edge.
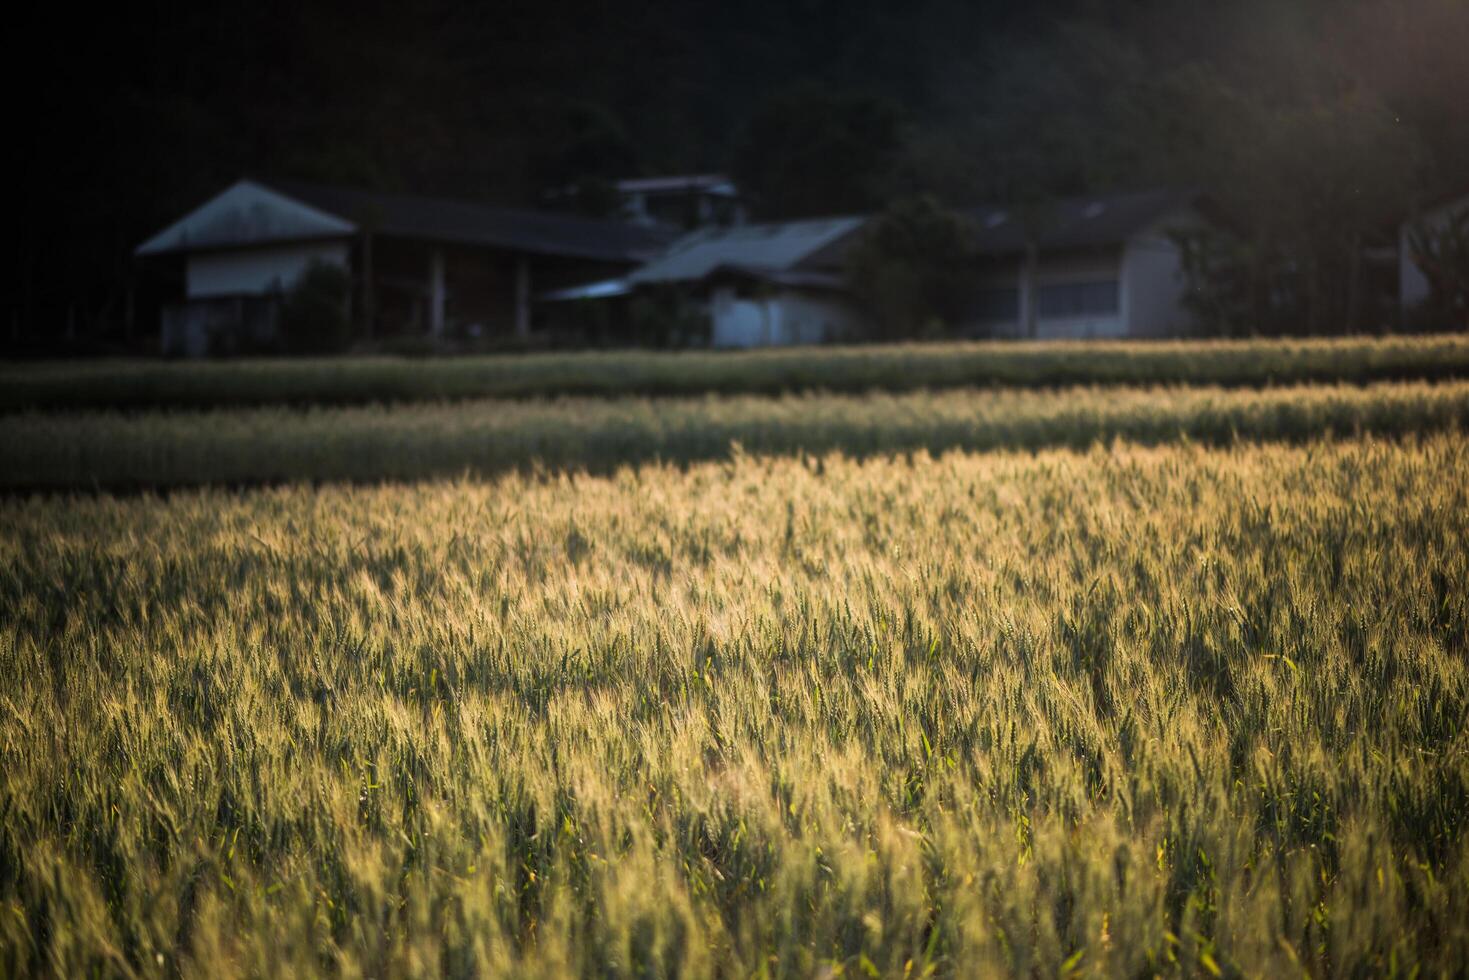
(1093, 221)
(717, 184)
(256, 212)
(771, 248)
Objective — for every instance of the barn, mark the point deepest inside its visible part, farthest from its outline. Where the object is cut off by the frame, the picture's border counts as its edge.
(768, 284)
(438, 270)
(1080, 267)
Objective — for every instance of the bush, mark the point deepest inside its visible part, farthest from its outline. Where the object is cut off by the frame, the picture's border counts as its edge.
(913, 268)
(1441, 250)
(313, 317)
(666, 316)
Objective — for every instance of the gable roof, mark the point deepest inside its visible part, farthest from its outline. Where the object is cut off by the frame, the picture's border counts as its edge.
(343, 211)
(715, 184)
(769, 248)
(1093, 221)
(247, 213)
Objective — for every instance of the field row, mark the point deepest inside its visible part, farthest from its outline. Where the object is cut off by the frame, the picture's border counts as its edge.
(904, 367)
(1136, 711)
(246, 446)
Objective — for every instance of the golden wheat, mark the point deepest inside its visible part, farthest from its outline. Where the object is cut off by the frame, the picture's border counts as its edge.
(878, 367)
(1128, 711)
(113, 450)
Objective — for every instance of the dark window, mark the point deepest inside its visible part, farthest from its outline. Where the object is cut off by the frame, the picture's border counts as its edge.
(1077, 299)
(996, 305)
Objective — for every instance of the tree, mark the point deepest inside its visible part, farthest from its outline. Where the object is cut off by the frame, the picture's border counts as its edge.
(313, 314)
(913, 267)
(812, 151)
(1441, 250)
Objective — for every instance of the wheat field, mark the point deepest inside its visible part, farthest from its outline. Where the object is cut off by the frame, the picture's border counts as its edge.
(1174, 710)
(155, 450)
(150, 384)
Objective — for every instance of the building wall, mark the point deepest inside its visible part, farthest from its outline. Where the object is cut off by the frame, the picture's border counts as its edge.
(1148, 276)
(786, 317)
(1152, 276)
(1412, 284)
(255, 271)
(1075, 269)
(220, 327)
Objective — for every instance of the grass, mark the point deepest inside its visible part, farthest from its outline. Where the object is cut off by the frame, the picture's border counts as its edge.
(134, 385)
(1176, 710)
(244, 446)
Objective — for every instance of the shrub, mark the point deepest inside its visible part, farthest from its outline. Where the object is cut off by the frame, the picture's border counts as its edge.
(313, 316)
(913, 268)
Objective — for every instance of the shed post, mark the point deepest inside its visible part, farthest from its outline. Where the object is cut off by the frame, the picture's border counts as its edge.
(367, 310)
(1028, 311)
(522, 298)
(436, 293)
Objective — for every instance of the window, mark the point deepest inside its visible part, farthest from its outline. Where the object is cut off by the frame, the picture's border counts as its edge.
(1077, 299)
(996, 306)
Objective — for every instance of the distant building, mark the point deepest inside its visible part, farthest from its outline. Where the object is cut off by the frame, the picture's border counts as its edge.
(765, 285)
(420, 267)
(683, 202)
(1106, 266)
(446, 271)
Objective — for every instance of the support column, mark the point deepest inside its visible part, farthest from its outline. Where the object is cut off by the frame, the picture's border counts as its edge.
(522, 298)
(436, 293)
(1028, 315)
(368, 313)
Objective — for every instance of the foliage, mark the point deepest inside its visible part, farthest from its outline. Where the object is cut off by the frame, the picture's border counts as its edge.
(313, 311)
(913, 266)
(1134, 711)
(1231, 287)
(668, 317)
(1305, 189)
(813, 152)
(131, 451)
(1441, 251)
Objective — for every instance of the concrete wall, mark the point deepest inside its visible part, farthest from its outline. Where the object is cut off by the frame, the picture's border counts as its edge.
(255, 271)
(1152, 282)
(786, 317)
(224, 326)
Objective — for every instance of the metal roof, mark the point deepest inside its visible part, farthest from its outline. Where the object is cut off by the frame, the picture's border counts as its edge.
(470, 223)
(679, 183)
(771, 248)
(1094, 221)
(319, 210)
(247, 213)
(601, 289)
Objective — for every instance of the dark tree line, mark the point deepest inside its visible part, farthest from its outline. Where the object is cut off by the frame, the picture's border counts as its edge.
(1314, 123)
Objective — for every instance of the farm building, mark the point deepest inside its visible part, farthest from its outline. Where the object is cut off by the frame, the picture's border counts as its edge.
(438, 269)
(767, 284)
(682, 201)
(1104, 266)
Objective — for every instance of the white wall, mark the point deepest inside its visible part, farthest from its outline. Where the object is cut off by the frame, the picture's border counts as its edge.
(786, 317)
(1152, 282)
(257, 270)
(1412, 284)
